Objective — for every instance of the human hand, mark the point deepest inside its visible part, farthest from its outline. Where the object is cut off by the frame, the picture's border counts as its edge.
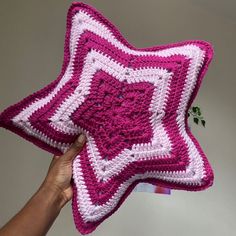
(37, 216)
(58, 179)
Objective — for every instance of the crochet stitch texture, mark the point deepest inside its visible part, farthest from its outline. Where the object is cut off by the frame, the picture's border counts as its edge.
(131, 103)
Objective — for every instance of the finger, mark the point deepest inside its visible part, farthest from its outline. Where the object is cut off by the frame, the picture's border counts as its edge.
(75, 148)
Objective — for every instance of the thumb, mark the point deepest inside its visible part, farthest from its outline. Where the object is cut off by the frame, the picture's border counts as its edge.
(75, 148)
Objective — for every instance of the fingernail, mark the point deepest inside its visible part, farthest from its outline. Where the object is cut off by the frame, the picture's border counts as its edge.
(81, 138)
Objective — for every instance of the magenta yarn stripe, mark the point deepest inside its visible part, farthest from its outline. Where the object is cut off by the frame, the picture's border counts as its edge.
(184, 143)
(78, 221)
(172, 136)
(173, 99)
(78, 6)
(13, 110)
(85, 162)
(79, 117)
(69, 138)
(39, 113)
(208, 58)
(94, 191)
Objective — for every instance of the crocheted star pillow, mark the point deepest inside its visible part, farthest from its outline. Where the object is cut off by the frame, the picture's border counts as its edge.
(131, 103)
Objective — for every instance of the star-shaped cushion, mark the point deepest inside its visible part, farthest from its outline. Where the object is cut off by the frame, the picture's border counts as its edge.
(131, 103)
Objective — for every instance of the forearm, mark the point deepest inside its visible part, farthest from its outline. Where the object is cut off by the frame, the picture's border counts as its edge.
(37, 215)
(41, 210)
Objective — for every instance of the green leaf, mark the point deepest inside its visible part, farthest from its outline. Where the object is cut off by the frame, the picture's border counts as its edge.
(203, 122)
(199, 111)
(194, 109)
(195, 119)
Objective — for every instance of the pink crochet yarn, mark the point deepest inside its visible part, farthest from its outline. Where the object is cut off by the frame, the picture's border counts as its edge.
(132, 105)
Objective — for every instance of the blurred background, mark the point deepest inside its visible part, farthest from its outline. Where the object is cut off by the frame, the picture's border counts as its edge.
(31, 45)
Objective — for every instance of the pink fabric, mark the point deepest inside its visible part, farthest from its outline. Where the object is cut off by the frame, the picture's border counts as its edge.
(133, 110)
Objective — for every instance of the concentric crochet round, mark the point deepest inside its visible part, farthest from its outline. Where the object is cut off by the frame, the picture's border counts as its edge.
(132, 105)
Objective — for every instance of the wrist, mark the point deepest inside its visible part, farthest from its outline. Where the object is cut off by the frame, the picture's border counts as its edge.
(52, 194)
